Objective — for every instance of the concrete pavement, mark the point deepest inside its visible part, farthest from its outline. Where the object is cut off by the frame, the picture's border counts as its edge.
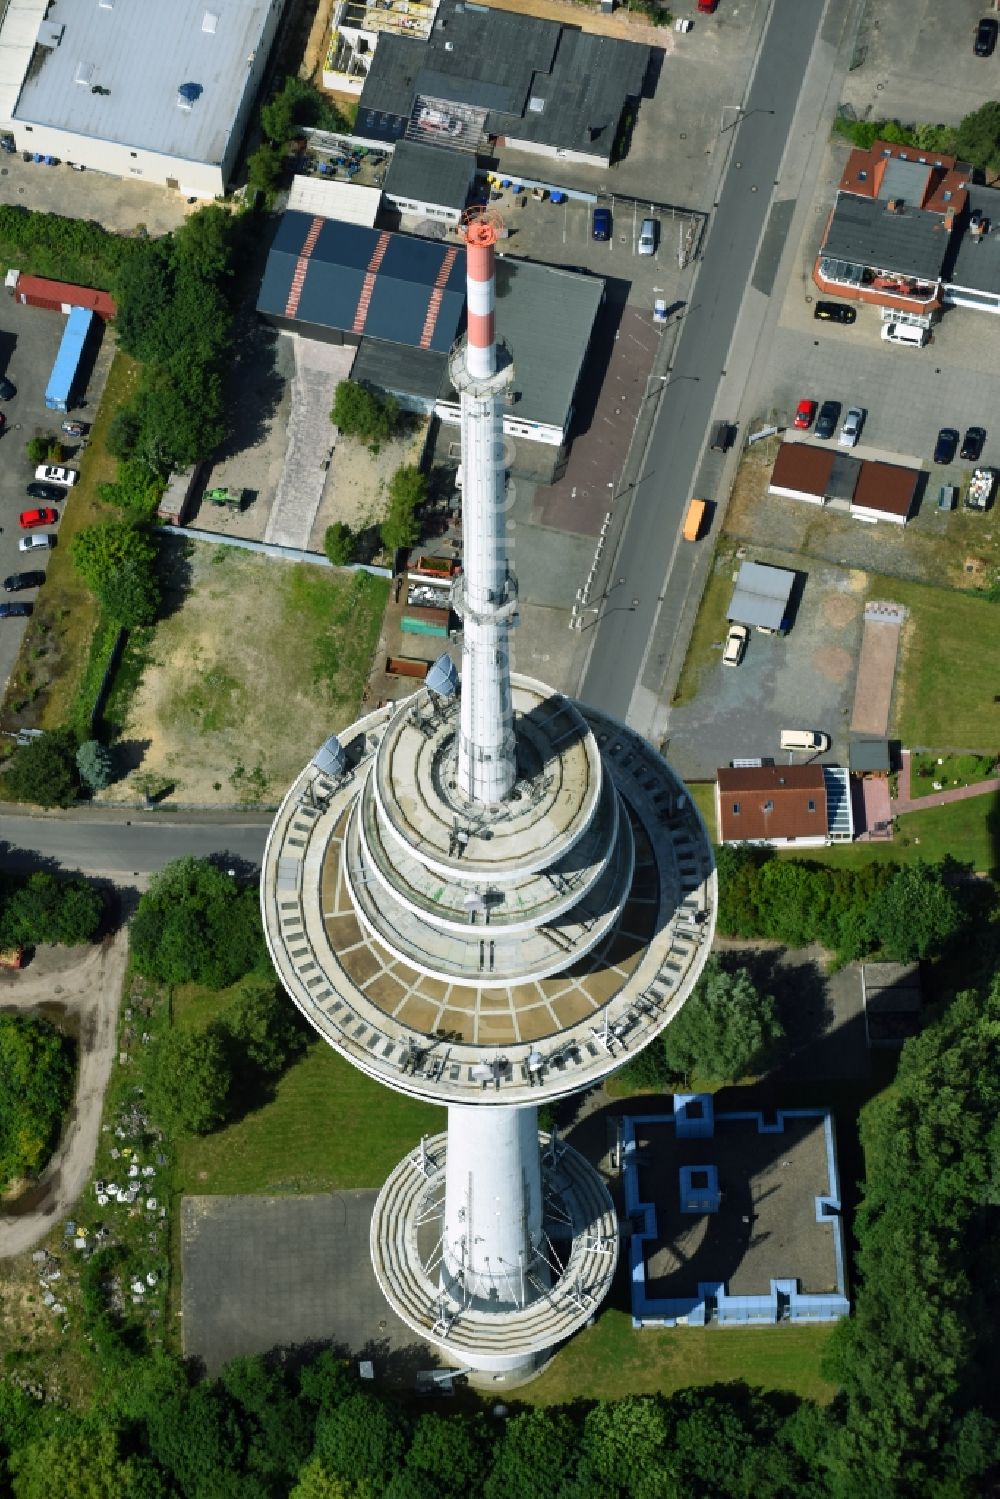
(126, 844)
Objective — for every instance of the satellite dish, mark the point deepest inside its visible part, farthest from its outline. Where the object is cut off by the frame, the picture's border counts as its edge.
(482, 1072)
(443, 678)
(331, 757)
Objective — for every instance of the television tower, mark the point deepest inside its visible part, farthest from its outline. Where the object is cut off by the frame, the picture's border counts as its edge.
(489, 896)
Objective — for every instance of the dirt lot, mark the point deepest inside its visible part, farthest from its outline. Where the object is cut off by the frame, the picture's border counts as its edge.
(255, 665)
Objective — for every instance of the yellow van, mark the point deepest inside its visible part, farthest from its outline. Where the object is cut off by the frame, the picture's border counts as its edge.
(693, 520)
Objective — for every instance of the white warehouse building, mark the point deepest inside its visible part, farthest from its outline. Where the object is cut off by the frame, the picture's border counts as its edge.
(157, 92)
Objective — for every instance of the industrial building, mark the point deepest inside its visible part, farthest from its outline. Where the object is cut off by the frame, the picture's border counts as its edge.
(400, 300)
(159, 93)
(483, 77)
(488, 896)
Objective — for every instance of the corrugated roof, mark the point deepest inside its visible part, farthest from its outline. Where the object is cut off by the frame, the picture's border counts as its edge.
(430, 174)
(101, 302)
(761, 595)
(139, 56)
(538, 80)
(772, 801)
(887, 487)
(863, 232)
(365, 281)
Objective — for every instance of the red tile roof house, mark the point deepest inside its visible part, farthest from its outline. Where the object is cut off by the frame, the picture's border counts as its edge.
(782, 805)
(888, 235)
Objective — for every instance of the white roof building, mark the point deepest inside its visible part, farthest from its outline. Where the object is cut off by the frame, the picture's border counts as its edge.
(161, 93)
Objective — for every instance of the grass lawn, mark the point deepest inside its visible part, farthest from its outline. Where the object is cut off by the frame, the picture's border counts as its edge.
(55, 651)
(710, 626)
(612, 1359)
(326, 1126)
(950, 770)
(948, 666)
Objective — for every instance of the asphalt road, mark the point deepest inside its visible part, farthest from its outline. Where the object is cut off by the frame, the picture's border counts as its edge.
(645, 580)
(126, 847)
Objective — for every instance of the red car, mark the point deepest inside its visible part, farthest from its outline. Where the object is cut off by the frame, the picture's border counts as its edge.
(804, 413)
(32, 518)
(707, 6)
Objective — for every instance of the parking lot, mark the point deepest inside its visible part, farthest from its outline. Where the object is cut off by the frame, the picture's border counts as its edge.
(802, 680)
(29, 341)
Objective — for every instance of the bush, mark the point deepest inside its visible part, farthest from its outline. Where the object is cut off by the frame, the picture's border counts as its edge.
(339, 543)
(407, 492)
(36, 1078)
(44, 771)
(358, 411)
(43, 908)
(93, 761)
(37, 449)
(196, 925)
(189, 1083)
(726, 1030)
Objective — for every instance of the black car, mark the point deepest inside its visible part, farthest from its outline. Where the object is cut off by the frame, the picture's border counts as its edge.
(8, 390)
(48, 492)
(947, 442)
(973, 443)
(8, 144)
(17, 581)
(986, 37)
(835, 312)
(826, 421)
(17, 608)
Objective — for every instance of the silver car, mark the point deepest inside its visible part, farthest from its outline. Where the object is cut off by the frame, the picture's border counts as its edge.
(851, 430)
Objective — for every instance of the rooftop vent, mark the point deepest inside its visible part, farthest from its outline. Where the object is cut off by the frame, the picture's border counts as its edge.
(188, 94)
(536, 105)
(210, 22)
(50, 34)
(105, 4)
(449, 46)
(84, 74)
(862, 175)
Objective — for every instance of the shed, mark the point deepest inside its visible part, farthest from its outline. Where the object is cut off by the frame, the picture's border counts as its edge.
(761, 596)
(801, 472)
(885, 491)
(60, 296)
(891, 994)
(869, 757)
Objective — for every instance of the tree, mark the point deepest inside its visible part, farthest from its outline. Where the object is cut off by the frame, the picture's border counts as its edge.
(339, 543)
(358, 411)
(915, 914)
(44, 771)
(263, 1025)
(978, 136)
(123, 435)
(100, 552)
(195, 1435)
(726, 1030)
(132, 597)
(315, 1482)
(264, 169)
(631, 1437)
(536, 1459)
(85, 1461)
(278, 1430)
(190, 1082)
(93, 761)
(45, 909)
(407, 492)
(196, 925)
(36, 1075)
(362, 1438)
(450, 1452)
(135, 490)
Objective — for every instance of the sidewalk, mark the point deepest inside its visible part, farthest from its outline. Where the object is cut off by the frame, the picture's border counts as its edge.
(907, 803)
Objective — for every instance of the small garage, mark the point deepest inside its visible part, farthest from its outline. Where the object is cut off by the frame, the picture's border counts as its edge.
(761, 597)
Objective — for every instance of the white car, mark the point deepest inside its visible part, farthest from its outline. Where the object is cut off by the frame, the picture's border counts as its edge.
(736, 644)
(51, 473)
(851, 430)
(39, 541)
(659, 309)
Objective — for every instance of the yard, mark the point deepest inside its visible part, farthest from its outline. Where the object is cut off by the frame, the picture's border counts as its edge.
(255, 663)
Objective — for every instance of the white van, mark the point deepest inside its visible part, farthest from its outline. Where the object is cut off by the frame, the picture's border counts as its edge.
(905, 333)
(809, 740)
(647, 237)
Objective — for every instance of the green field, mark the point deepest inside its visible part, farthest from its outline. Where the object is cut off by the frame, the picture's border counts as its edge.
(949, 667)
(612, 1359)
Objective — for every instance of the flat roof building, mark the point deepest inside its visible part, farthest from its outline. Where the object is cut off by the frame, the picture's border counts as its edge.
(761, 596)
(161, 93)
(430, 181)
(484, 74)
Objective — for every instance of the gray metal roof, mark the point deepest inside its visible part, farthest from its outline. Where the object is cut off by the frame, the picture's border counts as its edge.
(139, 56)
(538, 80)
(365, 281)
(869, 754)
(546, 317)
(761, 595)
(401, 369)
(430, 174)
(976, 263)
(904, 179)
(863, 232)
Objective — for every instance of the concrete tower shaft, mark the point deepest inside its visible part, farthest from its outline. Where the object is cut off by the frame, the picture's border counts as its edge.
(493, 1205)
(486, 596)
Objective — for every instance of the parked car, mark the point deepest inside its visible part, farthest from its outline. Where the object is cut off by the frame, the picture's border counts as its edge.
(16, 581)
(826, 422)
(8, 144)
(909, 334)
(45, 492)
(986, 37)
(811, 741)
(647, 237)
(804, 413)
(946, 445)
(8, 390)
(74, 429)
(736, 644)
(600, 224)
(851, 430)
(37, 541)
(29, 519)
(706, 7)
(973, 443)
(17, 608)
(53, 474)
(659, 309)
(835, 312)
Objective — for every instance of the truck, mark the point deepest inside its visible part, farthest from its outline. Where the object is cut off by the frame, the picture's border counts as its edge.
(693, 520)
(66, 370)
(980, 490)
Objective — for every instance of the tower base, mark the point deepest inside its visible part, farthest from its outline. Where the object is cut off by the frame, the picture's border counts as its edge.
(504, 1341)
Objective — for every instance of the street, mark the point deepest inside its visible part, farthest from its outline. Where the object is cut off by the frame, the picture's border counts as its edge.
(123, 847)
(640, 602)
